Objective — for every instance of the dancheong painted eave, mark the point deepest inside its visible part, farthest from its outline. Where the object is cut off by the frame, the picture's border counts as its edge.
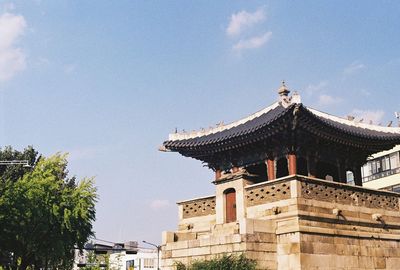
(287, 122)
(255, 123)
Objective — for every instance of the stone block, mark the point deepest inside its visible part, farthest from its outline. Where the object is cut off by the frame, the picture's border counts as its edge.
(270, 265)
(307, 247)
(295, 189)
(380, 263)
(221, 249)
(205, 241)
(198, 251)
(267, 226)
(214, 239)
(392, 263)
(324, 248)
(180, 253)
(194, 243)
(236, 238)
(246, 226)
(265, 247)
(167, 237)
(261, 256)
(286, 249)
(364, 262)
(318, 261)
(239, 247)
(185, 236)
(228, 239)
(166, 254)
(268, 237)
(177, 245)
(283, 261)
(289, 262)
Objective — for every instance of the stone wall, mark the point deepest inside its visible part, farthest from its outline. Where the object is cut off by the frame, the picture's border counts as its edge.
(298, 223)
(258, 244)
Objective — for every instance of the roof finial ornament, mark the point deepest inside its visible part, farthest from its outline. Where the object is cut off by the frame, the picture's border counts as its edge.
(283, 90)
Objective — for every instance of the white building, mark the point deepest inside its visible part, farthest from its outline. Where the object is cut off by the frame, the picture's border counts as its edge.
(382, 171)
(117, 258)
(145, 259)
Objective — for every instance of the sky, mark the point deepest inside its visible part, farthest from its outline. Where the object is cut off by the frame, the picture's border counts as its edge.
(107, 81)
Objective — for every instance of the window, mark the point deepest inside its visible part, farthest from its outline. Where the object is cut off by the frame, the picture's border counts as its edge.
(350, 177)
(130, 265)
(396, 188)
(394, 160)
(385, 163)
(148, 263)
(381, 167)
(366, 170)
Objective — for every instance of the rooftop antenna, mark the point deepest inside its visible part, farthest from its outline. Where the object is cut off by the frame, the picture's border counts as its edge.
(397, 114)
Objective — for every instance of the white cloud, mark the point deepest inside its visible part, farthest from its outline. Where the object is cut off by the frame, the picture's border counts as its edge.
(12, 59)
(244, 19)
(159, 204)
(327, 100)
(252, 43)
(314, 88)
(368, 115)
(353, 68)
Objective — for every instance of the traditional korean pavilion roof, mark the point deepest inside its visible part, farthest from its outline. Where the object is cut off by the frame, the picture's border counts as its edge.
(287, 122)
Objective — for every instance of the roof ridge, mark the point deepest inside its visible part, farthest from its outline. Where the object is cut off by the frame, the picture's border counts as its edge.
(200, 133)
(394, 130)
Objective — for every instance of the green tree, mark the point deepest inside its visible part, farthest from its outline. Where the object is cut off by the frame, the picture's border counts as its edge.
(44, 214)
(94, 261)
(15, 172)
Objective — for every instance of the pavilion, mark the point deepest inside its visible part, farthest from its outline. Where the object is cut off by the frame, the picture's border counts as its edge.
(281, 190)
(287, 138)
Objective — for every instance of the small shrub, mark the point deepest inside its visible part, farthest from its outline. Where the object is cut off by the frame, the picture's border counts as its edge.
(226, 262)
(180, 266)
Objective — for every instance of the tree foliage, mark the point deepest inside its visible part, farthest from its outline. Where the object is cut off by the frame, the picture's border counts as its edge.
(44, 213)
(94, 261)
(226, 262)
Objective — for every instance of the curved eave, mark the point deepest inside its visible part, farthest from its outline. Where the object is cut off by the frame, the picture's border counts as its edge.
(352, 131)
(236, 134)
(277, 120)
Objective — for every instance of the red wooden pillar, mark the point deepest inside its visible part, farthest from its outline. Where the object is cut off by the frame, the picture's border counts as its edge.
(271, 169)
(218, 174)
(292, 161)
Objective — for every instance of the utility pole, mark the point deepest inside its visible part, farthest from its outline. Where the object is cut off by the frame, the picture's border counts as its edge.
(158, 252)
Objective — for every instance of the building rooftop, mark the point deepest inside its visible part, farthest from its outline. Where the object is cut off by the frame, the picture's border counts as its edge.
(288, 122)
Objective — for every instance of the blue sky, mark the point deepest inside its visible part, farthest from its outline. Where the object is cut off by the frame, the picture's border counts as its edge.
(107, 81)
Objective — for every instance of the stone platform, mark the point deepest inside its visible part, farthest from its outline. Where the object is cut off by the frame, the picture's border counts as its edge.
(293, 222)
